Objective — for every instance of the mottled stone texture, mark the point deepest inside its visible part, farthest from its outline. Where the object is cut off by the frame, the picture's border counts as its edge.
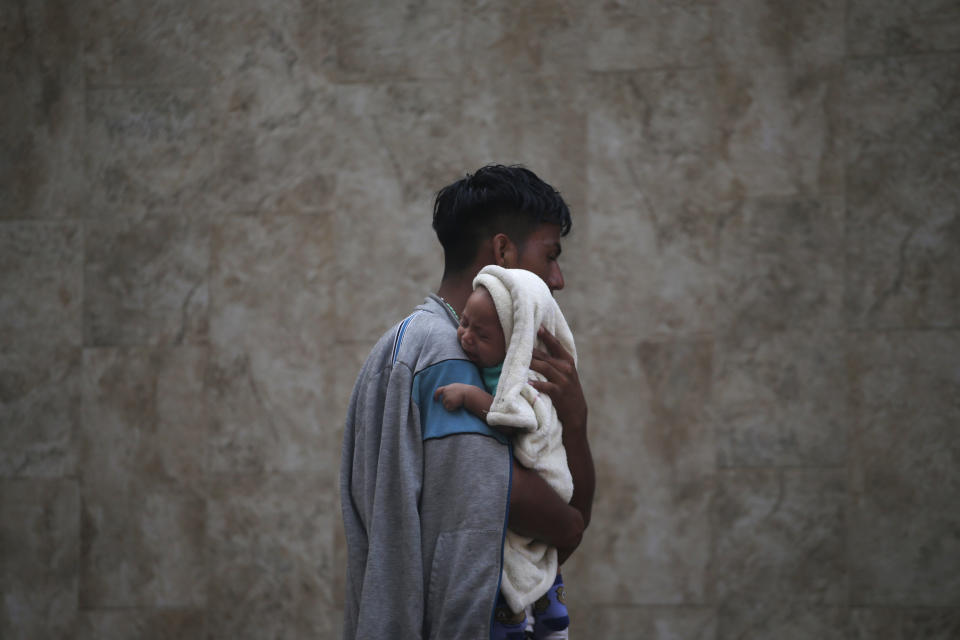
(209, 210)
(40, 543)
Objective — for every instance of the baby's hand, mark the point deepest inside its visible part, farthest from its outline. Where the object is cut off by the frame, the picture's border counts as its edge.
(452, 395)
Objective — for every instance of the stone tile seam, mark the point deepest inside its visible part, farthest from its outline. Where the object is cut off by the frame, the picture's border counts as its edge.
(378, 79)
(134, 86)
(358, 78)
(82, 276)
(143, 608)
(620, 605)
(906, 607)
(919, 329)
(775, 468)
(867, 57)
(616, 604)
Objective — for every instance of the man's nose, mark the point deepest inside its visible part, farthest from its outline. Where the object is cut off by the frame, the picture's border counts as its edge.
(555, 282)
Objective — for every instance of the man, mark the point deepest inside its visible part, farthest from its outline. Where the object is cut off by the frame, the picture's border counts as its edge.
(427, 494)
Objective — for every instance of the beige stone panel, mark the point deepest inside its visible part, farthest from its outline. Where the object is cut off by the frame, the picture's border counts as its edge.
(542, 38)
(276, 122)
(574, 262)
(780, 267)
(266, 121)
(41, 284)
(337, 626)
(141, 462)
(270, 411)
(904, 623)
(145, 282)
(650, 622)
(778, 135)
(653, 196)
(194, 44)
(890, 27)
(779, 32)
(631, 275)
(652, 113)
(903, 229)
(39, 550)
(755, 621)
(151, 150)
(143, 624)
(128, 43)
(40, 412)
(397, 138)
(271, 332)
(144, 419)
(611, 277)
(42, 111)
(899, 101)
(902, 260)
(401, 145)
(648, 542)
(270, 557)
(536, 121)
(40, 335)
(396, 41)
(904, 478)
(778, 537)
(290, 35)
(780, 399)
(777, 88)
(624, 36)
(142, 546)
(349, 358)
(339, 577)
(278, 139)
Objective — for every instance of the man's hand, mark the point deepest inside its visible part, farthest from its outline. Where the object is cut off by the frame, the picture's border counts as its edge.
(453, 396)
(563, 386)
(562, 382)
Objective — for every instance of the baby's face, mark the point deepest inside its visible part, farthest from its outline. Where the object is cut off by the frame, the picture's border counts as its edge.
(480, 333)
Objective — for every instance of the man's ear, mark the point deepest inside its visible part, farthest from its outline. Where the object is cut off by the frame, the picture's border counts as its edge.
(505, 252)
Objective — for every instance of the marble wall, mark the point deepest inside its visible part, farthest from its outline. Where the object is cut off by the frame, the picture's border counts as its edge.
(209, 210)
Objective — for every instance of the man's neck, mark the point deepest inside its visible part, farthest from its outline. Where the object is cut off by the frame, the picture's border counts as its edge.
(455, 290)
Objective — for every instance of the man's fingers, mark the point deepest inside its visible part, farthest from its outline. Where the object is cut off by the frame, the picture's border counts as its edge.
(438, 393)
(545, 387)
(540, 354)
(553, 345)
(545, 368)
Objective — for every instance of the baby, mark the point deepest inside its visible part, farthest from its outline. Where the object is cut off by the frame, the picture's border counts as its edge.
(497, 332)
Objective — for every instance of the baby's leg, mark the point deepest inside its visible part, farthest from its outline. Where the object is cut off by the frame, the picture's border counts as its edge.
(507, 625)
(551, 620)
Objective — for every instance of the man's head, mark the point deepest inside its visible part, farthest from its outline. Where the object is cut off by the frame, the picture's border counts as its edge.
(501, 215)
(480, 332)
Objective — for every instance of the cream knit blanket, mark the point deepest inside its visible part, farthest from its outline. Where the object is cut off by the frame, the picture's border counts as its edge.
(524, 304)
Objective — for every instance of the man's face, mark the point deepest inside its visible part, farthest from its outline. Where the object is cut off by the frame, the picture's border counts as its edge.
(540, 253)
(480, 333)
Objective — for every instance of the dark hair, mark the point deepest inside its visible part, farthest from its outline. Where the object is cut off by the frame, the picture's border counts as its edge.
(494, 199)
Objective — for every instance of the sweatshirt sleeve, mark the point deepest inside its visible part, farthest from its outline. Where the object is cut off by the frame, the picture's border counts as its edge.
(385, 481)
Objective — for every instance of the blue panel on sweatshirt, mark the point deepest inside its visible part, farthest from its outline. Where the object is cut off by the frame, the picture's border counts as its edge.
(437, 422)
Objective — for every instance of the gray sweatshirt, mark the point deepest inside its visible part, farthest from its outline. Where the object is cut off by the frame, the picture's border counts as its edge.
(424, 492)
